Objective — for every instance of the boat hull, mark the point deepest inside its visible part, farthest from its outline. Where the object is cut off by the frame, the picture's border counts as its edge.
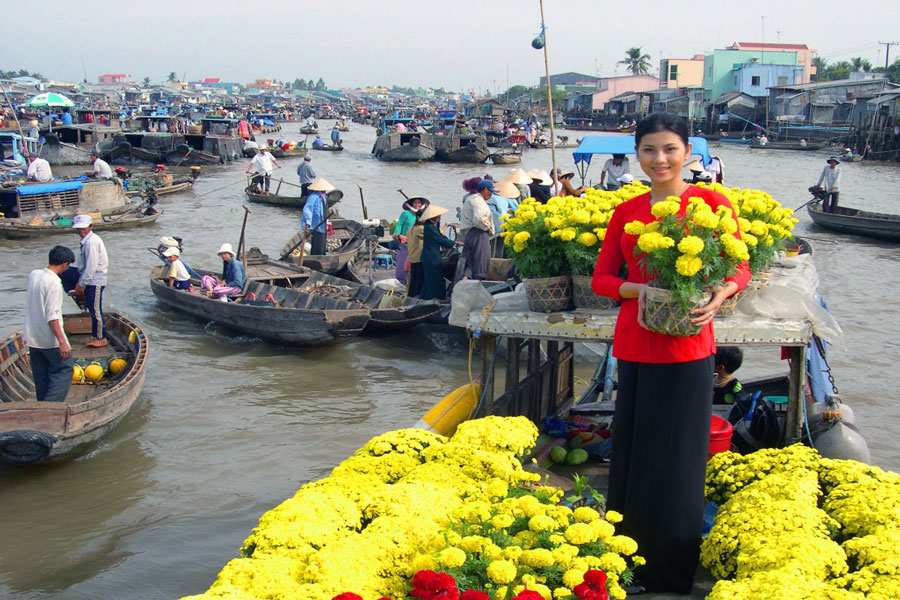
(20, 230)
(32, 431)
(850, 220)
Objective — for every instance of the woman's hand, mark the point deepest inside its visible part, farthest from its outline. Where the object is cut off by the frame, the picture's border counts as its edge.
(642, 293)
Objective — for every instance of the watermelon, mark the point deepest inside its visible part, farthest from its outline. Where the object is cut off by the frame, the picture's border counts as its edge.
(576, 456)
(558, 455)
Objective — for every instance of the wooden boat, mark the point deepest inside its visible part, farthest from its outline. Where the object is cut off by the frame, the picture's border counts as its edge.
(881, 226)
(289, 153)
(32, 431)
(410, 146)
(342, 126)
(20, 203)
(347, 239)
(309, 130)
(20, 229)
(505, 159)
(729, 140)
(331, 198)
(330, 147)
(162, 190)
(787, 146)
(388, 310)
(297, 318)
(160, 184)
(467, 148)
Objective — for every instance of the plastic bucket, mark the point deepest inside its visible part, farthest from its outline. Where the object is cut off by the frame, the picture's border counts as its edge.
(720, 432)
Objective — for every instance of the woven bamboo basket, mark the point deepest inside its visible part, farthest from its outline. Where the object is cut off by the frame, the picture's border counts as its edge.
(729, 305)
(584, 297)
(663, 315)
(549, 294)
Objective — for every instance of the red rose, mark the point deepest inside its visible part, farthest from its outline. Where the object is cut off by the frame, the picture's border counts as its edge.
(347, 596)
(474, 595)
(528, 595)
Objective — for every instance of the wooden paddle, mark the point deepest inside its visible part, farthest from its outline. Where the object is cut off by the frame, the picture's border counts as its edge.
(363, 201)
(241, 251)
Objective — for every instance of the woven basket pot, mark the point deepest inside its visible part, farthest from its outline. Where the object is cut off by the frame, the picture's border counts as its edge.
(663, 315)
(548, 294)
(584, 297)
(730, 304)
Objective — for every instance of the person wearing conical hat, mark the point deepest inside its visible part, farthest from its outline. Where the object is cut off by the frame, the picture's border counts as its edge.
(521, 180)
(313, 217)
(540, 185)
(433, 239)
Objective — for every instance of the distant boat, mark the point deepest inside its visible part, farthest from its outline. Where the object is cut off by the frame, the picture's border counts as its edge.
(785, 145)
(19, 229)
(32, 431)
(881, 226)
(728, 140)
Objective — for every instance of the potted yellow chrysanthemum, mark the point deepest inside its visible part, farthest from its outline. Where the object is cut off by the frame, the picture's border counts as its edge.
(688, 255)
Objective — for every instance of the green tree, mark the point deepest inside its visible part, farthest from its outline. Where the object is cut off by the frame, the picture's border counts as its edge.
(636, 62)
(838, 70)
(320, 85)
(299, 84)
(172, 77)
(858, 63)
(146, 82)
(820, 64)
(310, 85)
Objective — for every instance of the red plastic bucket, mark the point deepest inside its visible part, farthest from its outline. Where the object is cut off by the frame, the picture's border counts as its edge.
(720, 432)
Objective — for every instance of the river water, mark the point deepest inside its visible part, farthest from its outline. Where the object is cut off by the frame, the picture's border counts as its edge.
(228, 427)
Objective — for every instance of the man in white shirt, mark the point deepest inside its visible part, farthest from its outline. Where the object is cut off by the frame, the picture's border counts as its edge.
(48, 348)
(831, 176)
(88, 277)
(261, 164)
(38, 169)
(101, 167)
(614, 167)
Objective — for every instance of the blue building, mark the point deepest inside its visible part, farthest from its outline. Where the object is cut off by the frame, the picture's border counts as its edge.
(754, 79)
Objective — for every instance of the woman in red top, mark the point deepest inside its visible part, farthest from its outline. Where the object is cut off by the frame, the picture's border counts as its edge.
(665, 383)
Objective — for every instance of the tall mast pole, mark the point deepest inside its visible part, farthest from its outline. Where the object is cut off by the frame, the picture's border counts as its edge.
(549, 90)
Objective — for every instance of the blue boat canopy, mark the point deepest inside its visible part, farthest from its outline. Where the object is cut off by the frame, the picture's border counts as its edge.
(49, 188)
(624, 144)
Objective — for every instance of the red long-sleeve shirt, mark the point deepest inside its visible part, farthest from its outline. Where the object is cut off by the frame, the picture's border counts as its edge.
(633, 342)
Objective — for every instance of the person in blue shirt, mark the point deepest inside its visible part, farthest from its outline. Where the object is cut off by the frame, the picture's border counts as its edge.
(66, 117)
(318, 143)
(313, 217)
(336, 135)
(233, 275)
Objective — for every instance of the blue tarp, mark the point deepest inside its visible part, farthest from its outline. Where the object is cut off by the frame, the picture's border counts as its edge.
(48, 188)
(624, 144)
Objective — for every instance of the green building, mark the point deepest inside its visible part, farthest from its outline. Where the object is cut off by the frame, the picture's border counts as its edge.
(719, 65)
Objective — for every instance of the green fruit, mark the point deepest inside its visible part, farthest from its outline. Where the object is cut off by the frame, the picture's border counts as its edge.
(558, 455)
(576, 457)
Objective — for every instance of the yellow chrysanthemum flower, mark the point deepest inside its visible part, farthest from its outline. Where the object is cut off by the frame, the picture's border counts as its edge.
(634, 228)
(688, 265)
(501, 571)
(580, 534)
(452, 557)
(691, 245)
(541, 523)
(587, 239)
(665, 208)
(585, 514)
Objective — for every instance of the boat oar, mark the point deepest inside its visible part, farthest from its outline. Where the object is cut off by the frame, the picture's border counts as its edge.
(363, 201)
(404, 195)
(241, 242)
(242, 179)
(306, 233)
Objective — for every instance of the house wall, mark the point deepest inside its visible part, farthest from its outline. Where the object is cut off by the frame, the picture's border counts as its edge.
(718, 65)
(755, 79)
(619, 85)
(688, 72)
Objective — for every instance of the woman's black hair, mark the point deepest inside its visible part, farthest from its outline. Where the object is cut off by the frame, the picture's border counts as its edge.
(661, 121)
(730, 357)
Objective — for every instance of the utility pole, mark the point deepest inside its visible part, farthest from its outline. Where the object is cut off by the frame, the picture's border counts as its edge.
(887, 53)
(762, 42)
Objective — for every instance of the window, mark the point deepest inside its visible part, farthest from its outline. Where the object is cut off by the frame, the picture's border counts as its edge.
(673, 72)
(754, 80)
(782, 81)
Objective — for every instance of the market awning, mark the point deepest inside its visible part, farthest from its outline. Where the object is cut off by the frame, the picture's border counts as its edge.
(624, 144)
(48, 188)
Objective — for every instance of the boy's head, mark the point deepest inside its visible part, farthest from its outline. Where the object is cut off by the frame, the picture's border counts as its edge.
(171, 254)
(60, 255)
(729, 358)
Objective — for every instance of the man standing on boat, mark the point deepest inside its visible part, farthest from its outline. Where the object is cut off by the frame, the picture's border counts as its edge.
(88, 277)
(261, 164)
(831, 176)
(38, 169)
(307, 176)
(314, 216)
(48, 348)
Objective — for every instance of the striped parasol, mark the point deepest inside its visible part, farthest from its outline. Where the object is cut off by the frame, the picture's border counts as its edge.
(50, 99)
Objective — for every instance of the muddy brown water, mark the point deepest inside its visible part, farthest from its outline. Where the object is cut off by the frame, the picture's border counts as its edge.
(227, 427)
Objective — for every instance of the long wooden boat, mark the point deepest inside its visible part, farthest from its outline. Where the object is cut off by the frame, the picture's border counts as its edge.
(410, 146)
(63, 198)
(331, 198)
(881, 226)
(289, 153)
(787, 146)
(468, 148)
(32, 431)
(347, 239)
(297, 318)
(729, 140)
(329, 148)
(142, 186)
(389, 311)
(307, 130)
(20, 229)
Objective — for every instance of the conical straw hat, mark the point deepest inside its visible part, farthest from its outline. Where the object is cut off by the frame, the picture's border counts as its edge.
(320, 185)
(518, 176)
(507, 189)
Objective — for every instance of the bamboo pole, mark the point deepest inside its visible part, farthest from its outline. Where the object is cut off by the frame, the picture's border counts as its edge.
(549, 92)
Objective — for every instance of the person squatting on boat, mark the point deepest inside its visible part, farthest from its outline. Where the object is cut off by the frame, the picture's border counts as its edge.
(48, 348)
(262, 165)
(663, 408)
(101, 168)
(831, 176)
(38, 169)
(88, 278)
(476, 225)
(178, 276)
(314, 215)
(233, 276)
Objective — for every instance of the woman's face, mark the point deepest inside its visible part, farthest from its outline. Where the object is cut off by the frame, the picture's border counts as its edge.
(662, 155)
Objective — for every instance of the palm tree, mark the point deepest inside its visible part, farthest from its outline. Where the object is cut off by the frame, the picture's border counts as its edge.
(146, 82)
(172, 78)
(636, 62)
(858, 63)
(820, 64)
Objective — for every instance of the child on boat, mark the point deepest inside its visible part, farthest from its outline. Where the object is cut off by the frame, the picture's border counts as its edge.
(179, 278)
(725, 385)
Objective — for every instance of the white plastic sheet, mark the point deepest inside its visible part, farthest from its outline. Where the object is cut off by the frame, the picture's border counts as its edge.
(468, 295)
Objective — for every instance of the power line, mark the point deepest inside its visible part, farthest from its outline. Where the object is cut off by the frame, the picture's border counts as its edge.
(887, 52)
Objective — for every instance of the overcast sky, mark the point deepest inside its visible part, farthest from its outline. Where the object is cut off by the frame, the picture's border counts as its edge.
(463, 45)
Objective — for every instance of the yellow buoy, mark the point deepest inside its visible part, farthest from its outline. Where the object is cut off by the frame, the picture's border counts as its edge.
(132, 338)
(116, 365)
(457, 406)
(77, 374)
(93, 372)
